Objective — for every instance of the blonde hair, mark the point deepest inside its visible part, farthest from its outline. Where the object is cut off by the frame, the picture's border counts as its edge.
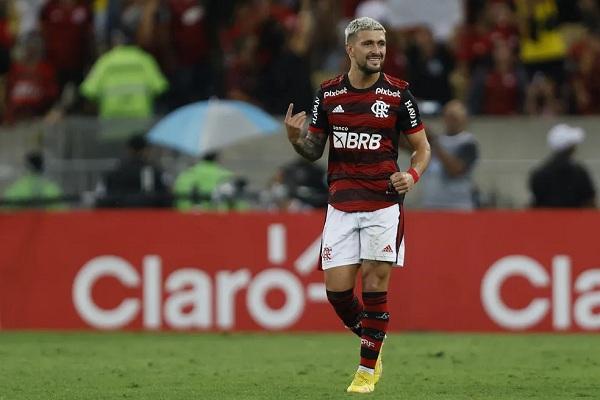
(362, 24)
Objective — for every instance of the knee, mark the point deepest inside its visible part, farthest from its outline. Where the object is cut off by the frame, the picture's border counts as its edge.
(376, 280)
(374, 284)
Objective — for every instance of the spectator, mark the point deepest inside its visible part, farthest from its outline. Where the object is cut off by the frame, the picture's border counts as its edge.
(327, 56)
(144, 21)
(430, 64)
(448, 182)
(247, 19)
(485, 24)
(472, 42)
(286, 78)
(543, 49)
(498, 90)
(191, 75)
(504, 25)
(541, 96)
(584, 80)
(199, 186)
(125, 81)
(27, 14)
(561, 181)
(67, 29)
(241, 81)
(6, 38)
(33, 189)
(31, 87)
(396, 62)
(590, 14)
(136, 182)
(298, 185)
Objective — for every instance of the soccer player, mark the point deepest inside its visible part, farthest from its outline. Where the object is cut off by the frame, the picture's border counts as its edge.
(362, 113)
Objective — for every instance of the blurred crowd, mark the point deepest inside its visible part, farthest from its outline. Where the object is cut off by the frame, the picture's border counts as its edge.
(498, 56)
(140, 58)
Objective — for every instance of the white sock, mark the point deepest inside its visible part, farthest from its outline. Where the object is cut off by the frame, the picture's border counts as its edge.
(369, 370)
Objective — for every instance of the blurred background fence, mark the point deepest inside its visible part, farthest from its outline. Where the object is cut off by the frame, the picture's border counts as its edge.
(80, 150)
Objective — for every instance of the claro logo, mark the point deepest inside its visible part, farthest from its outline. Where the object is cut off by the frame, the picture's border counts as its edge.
(190, 298)
(560, 303)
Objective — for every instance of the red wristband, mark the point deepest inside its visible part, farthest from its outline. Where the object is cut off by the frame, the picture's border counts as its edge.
(414, 174)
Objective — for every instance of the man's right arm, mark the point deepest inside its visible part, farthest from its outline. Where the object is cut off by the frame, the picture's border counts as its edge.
(309, 145)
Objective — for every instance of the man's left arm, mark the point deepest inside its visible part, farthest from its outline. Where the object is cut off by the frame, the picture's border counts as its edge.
(410, 125)
(404, 181)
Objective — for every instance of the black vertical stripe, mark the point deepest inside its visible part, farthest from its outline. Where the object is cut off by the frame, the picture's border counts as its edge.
(400, 231)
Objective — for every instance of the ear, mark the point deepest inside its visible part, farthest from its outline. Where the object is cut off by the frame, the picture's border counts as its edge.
(349, 50)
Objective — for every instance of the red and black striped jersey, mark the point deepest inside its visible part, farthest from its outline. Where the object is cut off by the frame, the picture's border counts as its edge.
(363, 127)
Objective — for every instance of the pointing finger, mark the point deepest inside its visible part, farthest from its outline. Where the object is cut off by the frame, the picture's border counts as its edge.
(288, 114)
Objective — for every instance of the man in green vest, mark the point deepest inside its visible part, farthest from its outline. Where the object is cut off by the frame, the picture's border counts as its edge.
(197, 187)
(33, 189)
(124, 81)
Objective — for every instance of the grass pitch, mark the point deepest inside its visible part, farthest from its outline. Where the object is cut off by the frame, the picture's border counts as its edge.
(294, 366)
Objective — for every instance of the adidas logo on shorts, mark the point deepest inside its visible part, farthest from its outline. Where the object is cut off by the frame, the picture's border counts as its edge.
(388, 249)
(338, 109)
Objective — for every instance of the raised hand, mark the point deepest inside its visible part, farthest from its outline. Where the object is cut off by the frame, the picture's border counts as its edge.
(294, 123)
(309, 146)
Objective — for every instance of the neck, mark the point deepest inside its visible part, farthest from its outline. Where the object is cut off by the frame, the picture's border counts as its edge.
(360, 80)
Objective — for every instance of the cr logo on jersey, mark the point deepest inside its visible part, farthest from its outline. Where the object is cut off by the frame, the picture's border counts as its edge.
(380, 109)
(353, 140)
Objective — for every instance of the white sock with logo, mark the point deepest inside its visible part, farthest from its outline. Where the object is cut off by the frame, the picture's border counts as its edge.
(365, 369)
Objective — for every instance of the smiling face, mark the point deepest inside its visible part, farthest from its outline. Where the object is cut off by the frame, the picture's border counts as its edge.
(366, 50)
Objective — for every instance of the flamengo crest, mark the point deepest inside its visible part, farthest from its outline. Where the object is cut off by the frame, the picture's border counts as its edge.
(380, 109)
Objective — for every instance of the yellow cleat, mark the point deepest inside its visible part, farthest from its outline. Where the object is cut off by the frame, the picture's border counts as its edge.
(379, 366)
(363, 382)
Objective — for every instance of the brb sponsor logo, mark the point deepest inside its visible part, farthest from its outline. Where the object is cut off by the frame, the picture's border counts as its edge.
(333, 93)
(190, 298)
(566, 310)
(342, 139)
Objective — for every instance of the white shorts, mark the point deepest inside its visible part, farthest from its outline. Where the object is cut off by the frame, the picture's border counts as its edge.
(350, 237)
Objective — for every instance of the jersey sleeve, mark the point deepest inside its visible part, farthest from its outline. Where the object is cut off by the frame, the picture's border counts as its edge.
(409, 118)
(318, 115)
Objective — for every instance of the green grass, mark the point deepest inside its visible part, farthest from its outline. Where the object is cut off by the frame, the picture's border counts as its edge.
(294, 366)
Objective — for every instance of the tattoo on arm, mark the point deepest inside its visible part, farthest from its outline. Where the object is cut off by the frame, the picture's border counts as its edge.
(310, 146)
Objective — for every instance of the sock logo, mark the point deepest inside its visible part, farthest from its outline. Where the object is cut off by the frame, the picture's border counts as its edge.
(379, 335)
(367, 343)
(384, 316)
